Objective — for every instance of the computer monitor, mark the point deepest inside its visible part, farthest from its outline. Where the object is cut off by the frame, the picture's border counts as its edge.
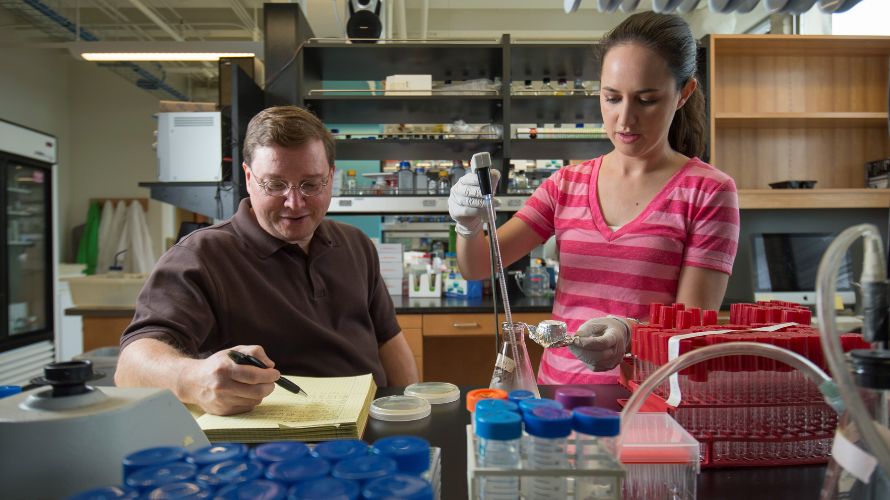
(786, 264)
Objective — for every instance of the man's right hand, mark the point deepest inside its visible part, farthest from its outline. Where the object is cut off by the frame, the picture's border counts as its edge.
(221, 387)
(465, 203)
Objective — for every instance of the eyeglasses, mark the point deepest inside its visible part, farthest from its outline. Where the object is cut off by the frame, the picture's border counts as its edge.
(279, 188)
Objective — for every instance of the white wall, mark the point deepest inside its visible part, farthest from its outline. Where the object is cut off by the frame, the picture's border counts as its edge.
(103, 123)
(112, 131)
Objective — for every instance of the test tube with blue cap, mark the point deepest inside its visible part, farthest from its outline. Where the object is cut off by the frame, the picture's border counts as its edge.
(228, 472)
(398, 486)
(411, 453)
(298, 470)
(278, 451)
(259, 488)
(545, 448)
(328, 488)
(498, 435)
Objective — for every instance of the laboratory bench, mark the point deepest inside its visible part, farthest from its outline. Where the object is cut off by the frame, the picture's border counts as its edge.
(446, 428)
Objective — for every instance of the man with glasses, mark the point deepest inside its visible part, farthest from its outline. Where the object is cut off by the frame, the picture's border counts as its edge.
(278, 281)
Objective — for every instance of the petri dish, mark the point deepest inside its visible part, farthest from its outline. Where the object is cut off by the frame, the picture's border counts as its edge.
(400, 408)
(434, 392)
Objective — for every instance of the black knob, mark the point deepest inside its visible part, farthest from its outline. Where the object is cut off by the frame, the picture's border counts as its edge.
(68, 378)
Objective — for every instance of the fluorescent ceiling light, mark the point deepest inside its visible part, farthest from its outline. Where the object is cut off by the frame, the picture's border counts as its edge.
(163, 51)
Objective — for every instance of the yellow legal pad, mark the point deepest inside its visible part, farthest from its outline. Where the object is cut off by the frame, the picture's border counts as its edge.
(337, 408)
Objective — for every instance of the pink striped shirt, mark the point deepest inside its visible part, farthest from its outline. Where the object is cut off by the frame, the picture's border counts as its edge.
(692, 221)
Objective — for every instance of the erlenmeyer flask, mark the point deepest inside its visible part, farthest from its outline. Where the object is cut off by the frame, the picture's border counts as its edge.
(512, 368)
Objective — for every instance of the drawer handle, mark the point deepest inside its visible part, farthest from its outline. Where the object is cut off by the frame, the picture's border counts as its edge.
(465, 325)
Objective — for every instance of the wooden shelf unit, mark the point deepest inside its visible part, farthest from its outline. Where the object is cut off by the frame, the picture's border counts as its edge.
(760, 199)
(794, 107)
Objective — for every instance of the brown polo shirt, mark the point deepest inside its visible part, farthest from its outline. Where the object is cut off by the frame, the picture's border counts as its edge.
(321, 314)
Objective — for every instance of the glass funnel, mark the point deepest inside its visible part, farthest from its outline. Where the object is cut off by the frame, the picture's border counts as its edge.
(512, 368)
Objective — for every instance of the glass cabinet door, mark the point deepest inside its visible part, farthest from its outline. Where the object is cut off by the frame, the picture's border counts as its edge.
(28, 252)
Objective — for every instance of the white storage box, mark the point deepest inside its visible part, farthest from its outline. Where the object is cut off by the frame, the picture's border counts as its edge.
(115, 289)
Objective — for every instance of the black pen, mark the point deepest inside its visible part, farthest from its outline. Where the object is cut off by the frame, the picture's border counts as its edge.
(246, 359)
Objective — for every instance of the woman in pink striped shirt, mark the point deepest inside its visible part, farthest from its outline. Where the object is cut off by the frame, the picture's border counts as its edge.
(647, 222)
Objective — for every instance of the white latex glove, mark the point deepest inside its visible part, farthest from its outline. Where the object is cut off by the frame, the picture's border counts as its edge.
(600, 343)
(465, 203)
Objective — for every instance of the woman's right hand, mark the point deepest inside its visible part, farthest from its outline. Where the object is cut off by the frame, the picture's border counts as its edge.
(465, 203)
(221, 387)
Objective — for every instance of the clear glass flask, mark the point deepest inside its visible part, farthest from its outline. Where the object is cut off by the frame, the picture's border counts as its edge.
(512, 368)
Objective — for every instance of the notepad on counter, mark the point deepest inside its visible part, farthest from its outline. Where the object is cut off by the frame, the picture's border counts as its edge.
(337, 408)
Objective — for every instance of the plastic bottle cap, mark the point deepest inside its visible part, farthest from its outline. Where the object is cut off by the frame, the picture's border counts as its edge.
(548, 422)
(496, 404)
(279, 451)
(411, 453)
(251, 490)
(9, 390)
(365, 468)
(434, 392)
(477, 395)
(298, 469)
(400, 408)
(573, 397)
(527, 405)
(152, 477)
(596, 421)
(340, 449)
(520, 394)
(328, 488)
(217, 453)
(498, 424)
(108, 493)
(400, 486)
(180, 490)
(149, 457)
(228, 472)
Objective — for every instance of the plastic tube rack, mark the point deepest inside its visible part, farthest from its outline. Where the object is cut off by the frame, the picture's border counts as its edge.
(744, 410)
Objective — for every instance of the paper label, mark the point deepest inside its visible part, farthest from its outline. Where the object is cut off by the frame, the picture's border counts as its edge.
(852, 458)
(505, 363)
(674, 351)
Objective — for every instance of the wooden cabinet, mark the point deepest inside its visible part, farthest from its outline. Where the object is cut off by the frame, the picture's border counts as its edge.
(412, 327)
(460, 348)
(794, 107)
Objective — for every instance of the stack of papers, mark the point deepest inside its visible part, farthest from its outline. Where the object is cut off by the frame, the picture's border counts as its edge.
(337, 408)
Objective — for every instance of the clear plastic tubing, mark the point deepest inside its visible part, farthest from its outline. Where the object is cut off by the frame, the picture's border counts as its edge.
(497, 446)
(812, 372)
(545, 448)
(826, 286)
(595, 432)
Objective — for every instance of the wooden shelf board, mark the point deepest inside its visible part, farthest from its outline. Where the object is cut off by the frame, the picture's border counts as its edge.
(813, 198)
(808, 45)
(803, 120)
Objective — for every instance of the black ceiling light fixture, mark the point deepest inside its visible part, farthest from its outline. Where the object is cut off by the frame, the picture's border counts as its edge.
(364, 20)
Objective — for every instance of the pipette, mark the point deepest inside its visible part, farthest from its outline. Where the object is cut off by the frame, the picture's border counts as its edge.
(481, 164)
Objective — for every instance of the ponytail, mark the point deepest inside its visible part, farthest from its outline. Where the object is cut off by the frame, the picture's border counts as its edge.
(687, 133)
